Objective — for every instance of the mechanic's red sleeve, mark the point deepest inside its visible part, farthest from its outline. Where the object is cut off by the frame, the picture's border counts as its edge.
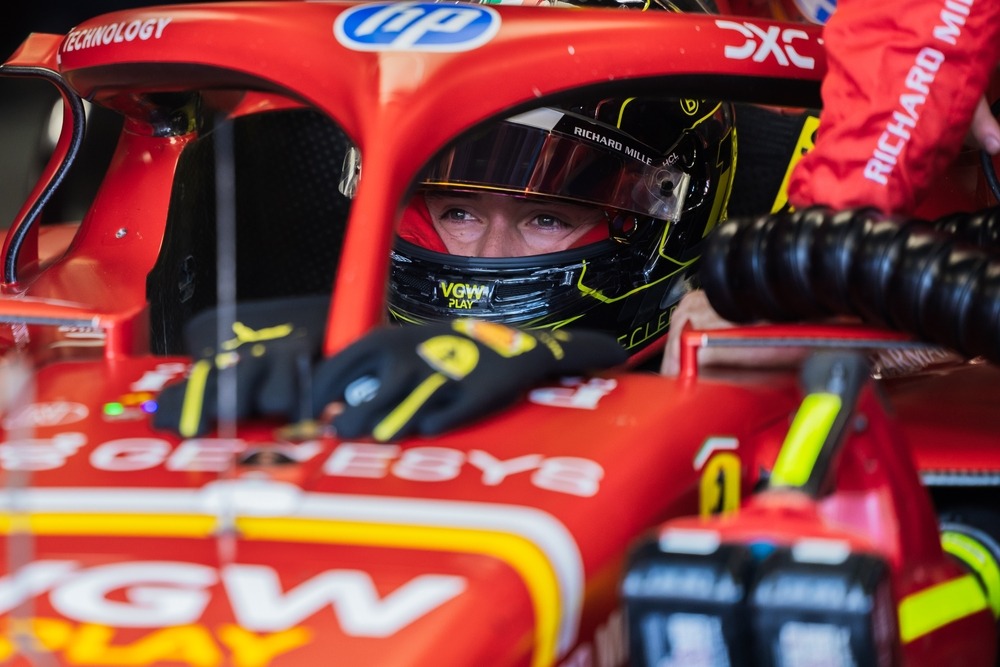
(903, 80)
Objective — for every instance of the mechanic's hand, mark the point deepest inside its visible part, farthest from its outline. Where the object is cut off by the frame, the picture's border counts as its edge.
(694, 307)
(271, 347)
(426, 379)
(984, 133)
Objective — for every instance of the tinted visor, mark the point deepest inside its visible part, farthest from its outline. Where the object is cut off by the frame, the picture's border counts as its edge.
(552, 153)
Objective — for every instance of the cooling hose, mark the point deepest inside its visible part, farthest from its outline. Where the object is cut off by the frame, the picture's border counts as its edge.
(938, 281)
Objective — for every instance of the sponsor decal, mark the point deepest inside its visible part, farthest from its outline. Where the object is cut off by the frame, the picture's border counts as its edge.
(198, 645)
(503, 340)
(570, 475)
(609, 648)
(720, 483)
(42, 415)
(892, 362)
(132, 406)
(532, 542)
(162, 593)
(595, 135)
(650, 329)
(719, 486)
(917, 89)
(817, 11)
(40, 453)
(453, 356)
(247, 335)
(115, 33)
(464, 295)
(154, 380)
(140, 402)
(773, 42)
(575, 393)
(416, 26)
(79, 337)
(169, 598)
(711, 446)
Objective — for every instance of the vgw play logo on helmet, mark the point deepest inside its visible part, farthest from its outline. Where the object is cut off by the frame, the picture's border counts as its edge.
(416, 26)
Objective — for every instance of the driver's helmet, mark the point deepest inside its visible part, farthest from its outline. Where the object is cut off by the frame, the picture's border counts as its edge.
(658, 171)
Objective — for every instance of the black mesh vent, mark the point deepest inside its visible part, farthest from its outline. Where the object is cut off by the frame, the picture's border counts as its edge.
(512, 290)
(425, 286)
(765, 142)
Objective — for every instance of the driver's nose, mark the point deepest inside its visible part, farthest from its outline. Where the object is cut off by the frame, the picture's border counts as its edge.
(500, 240)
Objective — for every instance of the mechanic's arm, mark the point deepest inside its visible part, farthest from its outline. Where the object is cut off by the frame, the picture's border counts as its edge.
(888, 132)
(694, 308)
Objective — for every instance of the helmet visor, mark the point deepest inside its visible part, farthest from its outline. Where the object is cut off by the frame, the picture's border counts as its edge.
(547, 152)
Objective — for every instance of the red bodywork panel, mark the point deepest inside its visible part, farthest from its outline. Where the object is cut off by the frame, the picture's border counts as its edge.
(501, 543)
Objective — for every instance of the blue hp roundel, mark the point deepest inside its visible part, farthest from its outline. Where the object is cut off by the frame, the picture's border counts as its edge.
(817, 11)
(416, 26)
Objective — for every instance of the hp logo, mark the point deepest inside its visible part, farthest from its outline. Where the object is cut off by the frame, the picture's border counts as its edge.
(416, 26)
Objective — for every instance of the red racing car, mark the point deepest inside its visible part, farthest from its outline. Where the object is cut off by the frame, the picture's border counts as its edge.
(520, 539)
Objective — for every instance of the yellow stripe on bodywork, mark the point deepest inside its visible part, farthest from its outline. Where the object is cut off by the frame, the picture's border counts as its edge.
(979, 559)
(934, 607)
(805, 439)
(123, 525)
(523, 556)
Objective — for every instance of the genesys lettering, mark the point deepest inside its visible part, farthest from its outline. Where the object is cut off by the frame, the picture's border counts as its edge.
(560, 474)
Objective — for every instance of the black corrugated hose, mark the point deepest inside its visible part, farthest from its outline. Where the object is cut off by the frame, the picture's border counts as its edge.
(939, 281)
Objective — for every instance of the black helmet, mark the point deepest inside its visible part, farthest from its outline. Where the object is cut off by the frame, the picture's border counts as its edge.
(659, 169)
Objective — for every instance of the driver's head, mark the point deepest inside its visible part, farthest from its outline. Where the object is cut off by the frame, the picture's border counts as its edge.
(590, 216)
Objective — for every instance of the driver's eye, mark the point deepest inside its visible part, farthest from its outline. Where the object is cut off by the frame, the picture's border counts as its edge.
(550, 223)
(458, 214)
